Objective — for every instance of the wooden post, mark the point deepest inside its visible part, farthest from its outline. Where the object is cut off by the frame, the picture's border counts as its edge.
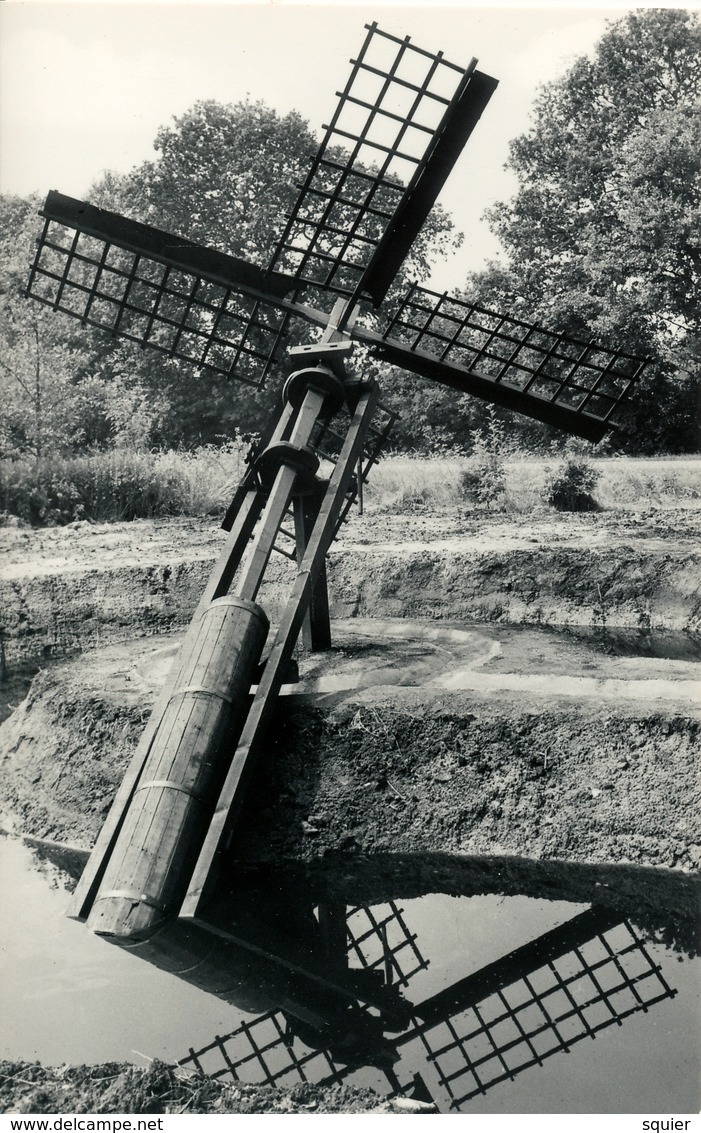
(316, 628)
(278, 501)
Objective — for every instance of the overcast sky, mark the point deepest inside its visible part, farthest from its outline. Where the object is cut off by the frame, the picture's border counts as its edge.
(84, 86)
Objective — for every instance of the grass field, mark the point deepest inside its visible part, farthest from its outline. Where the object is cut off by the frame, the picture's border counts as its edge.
(124, 485)
(119, 485)
(402, 483)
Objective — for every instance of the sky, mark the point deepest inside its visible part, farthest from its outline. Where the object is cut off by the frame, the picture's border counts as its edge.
(85, 86)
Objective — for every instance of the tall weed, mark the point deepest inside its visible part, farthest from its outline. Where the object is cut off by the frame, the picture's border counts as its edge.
(483, 480)
(403, 484)
(120, 485)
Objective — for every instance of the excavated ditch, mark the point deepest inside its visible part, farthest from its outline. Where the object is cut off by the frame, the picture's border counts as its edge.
(407, 737)
(85, 586)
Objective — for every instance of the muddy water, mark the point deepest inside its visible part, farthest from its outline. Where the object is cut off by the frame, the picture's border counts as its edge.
(484, 1003)
(67, 997)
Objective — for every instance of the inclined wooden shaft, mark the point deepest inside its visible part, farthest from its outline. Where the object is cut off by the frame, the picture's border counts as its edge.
(168, 816)
(171, 809)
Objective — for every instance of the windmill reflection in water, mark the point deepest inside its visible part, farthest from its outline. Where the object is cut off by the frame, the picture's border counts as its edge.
(328, 989)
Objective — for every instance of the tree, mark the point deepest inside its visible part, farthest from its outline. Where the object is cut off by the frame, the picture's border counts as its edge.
(228, 176)
(224, 176)
(57, 394)
(603, 237)
(37, 364)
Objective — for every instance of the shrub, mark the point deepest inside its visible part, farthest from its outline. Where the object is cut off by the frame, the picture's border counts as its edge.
(571, 485)
(483, 481)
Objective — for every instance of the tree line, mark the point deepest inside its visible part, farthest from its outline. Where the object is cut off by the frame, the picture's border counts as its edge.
(601, 240)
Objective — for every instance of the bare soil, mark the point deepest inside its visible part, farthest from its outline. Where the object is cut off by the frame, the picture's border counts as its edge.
(28, 551)
(397, 755)
(66, 589)
(491, 741)
(28, 1087)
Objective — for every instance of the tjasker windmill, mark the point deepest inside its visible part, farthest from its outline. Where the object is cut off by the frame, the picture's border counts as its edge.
(398, 128)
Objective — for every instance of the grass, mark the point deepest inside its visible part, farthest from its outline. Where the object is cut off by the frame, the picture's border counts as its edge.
(411, 483)
(124, 485)
(406, 483)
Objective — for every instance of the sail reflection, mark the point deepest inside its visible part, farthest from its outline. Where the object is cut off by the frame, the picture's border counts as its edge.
(329, 988)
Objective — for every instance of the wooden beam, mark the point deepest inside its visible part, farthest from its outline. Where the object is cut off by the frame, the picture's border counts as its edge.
(278, 500)
(316, 628)
(168, 248)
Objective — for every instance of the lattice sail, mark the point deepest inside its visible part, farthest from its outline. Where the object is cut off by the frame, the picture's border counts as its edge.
(563, 381)
(539, 1009)
(399, 125)
(159, 290)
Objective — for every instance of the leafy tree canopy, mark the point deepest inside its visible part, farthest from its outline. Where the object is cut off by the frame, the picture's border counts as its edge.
(603, 237)
(224, 176)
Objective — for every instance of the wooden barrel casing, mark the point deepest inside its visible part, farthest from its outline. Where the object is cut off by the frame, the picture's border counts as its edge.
(169, 814)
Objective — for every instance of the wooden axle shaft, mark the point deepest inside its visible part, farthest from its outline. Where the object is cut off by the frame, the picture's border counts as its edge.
(163, 814)
(171, 808)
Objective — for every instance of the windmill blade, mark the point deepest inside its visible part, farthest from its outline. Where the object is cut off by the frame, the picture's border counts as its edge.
(158, 290)
(574, 385)
(447, 144)
(399, 126)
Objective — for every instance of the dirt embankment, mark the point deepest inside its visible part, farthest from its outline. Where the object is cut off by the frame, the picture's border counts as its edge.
(81, 586)
(394, 775)
(398, 767)
(511, 760)
(28, 1087)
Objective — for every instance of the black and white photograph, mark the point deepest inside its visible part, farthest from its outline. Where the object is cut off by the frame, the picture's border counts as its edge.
(350, 580)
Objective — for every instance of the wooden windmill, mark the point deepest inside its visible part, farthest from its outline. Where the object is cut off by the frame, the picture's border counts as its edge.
(398, 128)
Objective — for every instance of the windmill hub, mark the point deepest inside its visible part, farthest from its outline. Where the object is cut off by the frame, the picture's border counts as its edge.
(323, 380)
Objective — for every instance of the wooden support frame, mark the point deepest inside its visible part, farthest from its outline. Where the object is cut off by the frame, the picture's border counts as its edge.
(250, 504)
(278, 500)
(205, 874)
